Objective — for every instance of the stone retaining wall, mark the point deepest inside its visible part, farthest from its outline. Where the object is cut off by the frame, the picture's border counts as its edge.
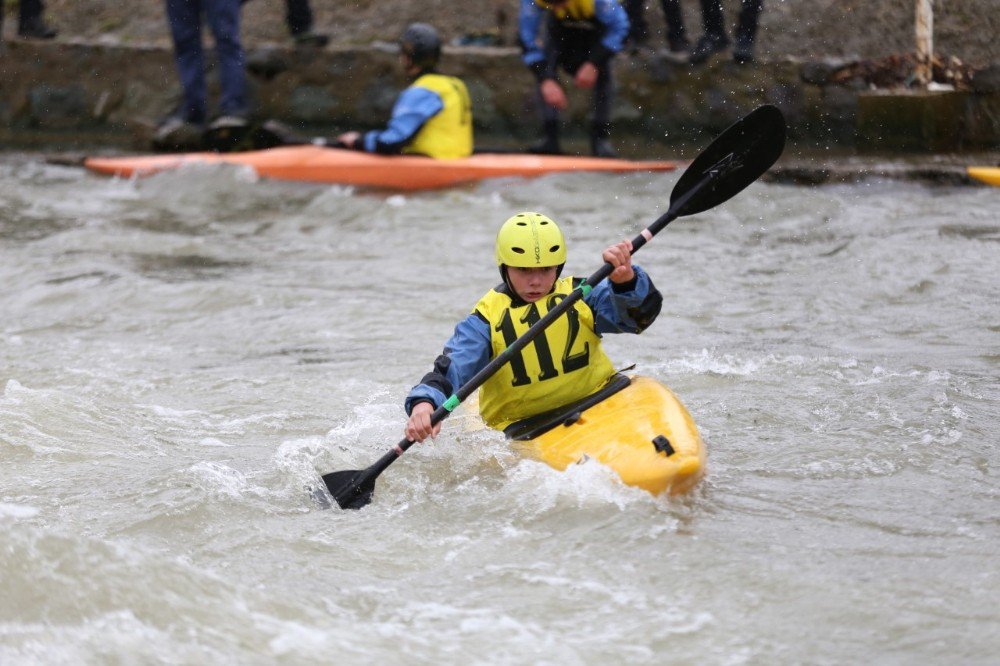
(74, 94)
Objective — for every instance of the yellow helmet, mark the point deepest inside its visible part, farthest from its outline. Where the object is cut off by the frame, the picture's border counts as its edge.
(530, 240)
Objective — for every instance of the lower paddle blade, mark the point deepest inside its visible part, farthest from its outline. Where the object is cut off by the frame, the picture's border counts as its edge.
(351, 488)
(738, 157)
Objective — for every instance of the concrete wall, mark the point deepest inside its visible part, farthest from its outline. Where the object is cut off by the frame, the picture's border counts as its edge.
(76, 94)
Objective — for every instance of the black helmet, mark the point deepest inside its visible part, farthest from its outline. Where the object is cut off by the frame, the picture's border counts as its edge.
(421, 43)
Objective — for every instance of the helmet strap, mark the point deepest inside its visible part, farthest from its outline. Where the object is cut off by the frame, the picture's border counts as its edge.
(506, 278)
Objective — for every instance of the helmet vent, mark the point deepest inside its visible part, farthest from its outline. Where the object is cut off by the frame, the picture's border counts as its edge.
(519, 250)
(522, 224)
(554, 248)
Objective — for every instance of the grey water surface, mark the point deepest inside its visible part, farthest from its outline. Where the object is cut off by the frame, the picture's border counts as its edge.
(182, 356)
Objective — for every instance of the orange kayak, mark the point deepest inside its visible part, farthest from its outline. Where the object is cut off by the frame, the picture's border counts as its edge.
(320, 164)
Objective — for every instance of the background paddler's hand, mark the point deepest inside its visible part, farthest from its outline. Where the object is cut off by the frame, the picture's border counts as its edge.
(586, 76)
(619, 255)
(552, 94)
(349, 140)
(418, 427)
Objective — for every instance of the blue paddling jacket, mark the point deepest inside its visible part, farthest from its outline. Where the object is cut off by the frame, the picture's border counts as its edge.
(597, 27)
(618, 308)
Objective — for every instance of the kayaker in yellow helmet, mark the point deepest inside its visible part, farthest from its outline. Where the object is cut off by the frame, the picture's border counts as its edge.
(564, 363)
(433, 116)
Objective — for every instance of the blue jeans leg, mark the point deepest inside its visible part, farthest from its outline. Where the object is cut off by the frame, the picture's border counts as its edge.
(185, 29)
(224, 20)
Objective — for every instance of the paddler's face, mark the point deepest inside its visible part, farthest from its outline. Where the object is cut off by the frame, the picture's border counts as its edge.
(532, 284)
(407, 63)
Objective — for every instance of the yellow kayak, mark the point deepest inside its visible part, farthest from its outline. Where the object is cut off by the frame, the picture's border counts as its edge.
(641, 431)
(989, 175)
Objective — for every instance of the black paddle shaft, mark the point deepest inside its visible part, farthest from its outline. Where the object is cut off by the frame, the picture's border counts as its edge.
(735, 159)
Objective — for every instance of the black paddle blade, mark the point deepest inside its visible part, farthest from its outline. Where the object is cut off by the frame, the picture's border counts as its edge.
(736, 158)
(351, 488)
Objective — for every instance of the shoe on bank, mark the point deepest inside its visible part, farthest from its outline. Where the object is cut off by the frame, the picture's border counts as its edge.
(176, 133)
(706, 47)
(226, 132)
(273, 133)
(678, 56)
(743, 53)
(36, 29)
(311, 39)
(545, 147)
(228, 122)
(603, 148)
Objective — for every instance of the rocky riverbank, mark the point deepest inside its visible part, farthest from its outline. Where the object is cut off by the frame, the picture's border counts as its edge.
(812, 30)
(105, 89)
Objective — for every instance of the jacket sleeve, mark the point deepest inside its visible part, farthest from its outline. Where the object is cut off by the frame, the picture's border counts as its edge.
(613, 17)
(530, 20)
(466, 353)
(414, 107)
(625, 308)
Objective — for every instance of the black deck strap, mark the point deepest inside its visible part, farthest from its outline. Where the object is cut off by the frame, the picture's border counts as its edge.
(663, 445)
(539, 424)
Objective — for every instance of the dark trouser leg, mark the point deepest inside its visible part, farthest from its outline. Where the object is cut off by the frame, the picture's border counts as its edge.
(604, 91)
(638, 30)
(548, 112)
(714, 39)
(676, 34)
(299, 16)
(712, 19)
(550, 129)
(224, 19)
(746, 28)
(30, 23)
(184, 17)
(29, 11)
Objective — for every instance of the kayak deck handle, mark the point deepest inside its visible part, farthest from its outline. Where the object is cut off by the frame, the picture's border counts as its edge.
(663, 445)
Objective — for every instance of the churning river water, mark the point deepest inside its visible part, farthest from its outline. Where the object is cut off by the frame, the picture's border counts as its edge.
(182, 356)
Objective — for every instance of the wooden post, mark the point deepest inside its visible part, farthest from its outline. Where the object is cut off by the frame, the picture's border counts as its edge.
(925, 41)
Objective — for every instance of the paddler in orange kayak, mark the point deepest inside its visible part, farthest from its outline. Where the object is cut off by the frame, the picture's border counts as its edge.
(432, 117)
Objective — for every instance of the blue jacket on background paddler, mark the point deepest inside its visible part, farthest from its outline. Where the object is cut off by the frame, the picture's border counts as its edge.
(562, 365)
(432, 116)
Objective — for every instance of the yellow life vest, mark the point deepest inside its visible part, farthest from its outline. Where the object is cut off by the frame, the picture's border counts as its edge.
(578, 10)
(449, 133)
(563, 364)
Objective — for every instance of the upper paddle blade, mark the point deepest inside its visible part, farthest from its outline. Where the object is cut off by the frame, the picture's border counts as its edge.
(351, 488)
(735, 159)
